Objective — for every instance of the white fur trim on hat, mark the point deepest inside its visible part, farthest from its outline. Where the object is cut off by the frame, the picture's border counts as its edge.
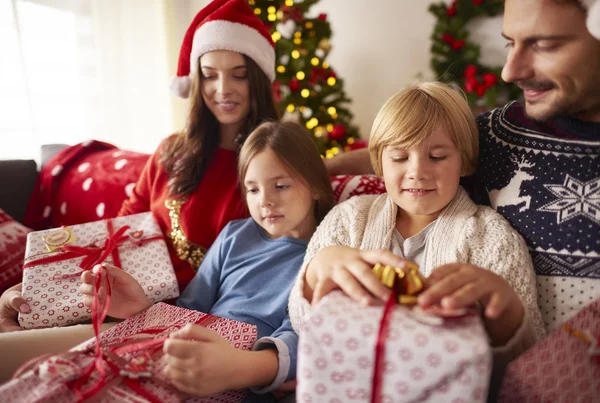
(226, 35)
(180, 86)
(593, 16)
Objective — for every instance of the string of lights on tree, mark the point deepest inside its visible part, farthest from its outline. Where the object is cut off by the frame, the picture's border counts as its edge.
(455, 59)
(306, 86)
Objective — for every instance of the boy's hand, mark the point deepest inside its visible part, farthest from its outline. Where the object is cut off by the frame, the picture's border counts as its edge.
(459, 285)
(127, 296)
(350, 270)
(200, 362)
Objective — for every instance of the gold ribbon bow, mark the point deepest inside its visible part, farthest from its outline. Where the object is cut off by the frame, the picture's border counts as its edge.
(406, 282)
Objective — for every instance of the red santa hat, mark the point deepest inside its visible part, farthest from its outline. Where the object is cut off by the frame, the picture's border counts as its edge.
(593, 16)
(223, 25)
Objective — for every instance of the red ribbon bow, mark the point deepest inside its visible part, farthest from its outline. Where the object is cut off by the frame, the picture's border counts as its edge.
(95, 256)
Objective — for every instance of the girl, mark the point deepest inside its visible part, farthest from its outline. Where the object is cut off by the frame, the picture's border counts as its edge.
(422, 141)
(226, 65)
(248, 272)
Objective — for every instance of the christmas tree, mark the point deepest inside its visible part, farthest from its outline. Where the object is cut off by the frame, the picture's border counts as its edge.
(306, 86)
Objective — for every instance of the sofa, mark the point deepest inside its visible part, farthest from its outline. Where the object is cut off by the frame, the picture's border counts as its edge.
(17, 178)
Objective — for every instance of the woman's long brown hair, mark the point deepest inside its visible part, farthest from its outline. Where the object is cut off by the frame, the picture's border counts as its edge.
(186, 156)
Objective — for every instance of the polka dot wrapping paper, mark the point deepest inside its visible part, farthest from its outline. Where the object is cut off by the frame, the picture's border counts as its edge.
(564, 367)
(51, 280)
(450, 362)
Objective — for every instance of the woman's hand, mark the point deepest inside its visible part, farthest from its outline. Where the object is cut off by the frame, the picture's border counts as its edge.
(350, 270)
(127, 296)
(11, 303)
(459, 285)
(200, 362)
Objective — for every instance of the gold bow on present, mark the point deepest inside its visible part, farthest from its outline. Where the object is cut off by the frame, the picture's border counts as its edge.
(406, 282)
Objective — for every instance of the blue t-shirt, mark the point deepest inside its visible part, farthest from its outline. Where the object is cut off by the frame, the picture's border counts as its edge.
(247, 276)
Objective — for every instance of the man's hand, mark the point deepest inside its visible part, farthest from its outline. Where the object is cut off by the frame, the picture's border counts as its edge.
(11, 303)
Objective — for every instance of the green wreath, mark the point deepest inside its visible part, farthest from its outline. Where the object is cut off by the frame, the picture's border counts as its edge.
(456, 60)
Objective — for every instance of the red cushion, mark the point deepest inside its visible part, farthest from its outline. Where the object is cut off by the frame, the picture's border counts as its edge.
(89, 181)
(83, 183)
(13, 237)
(346, 186)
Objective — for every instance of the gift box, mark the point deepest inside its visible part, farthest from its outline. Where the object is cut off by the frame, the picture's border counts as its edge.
(564, 367)
(124, 363)
(340, 356)
(55, 259)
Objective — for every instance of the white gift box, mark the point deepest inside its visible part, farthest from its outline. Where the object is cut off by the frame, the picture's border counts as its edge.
(421, 362)
(54, 259)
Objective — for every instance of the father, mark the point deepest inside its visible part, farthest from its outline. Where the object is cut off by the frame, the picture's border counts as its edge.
(540, 162)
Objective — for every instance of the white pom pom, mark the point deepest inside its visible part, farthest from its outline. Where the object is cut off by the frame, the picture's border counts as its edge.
(593, 19)
(180, 86)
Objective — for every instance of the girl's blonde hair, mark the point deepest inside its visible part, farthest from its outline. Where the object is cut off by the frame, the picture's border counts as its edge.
(409, 117)
(297, 151)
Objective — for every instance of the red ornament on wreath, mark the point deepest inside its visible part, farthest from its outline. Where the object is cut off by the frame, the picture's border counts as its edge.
(489, 79)
(294, 85)
(454, 43)
(470, 71)
(338, 132)
(451, 11)
(322, 17)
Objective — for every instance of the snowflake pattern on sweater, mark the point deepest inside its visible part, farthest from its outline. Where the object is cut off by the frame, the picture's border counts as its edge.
(544, 177)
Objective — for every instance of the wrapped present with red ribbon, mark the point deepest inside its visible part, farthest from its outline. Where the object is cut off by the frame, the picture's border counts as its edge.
(395, 353)
(124, 363)
(55, 259)
(564, 367)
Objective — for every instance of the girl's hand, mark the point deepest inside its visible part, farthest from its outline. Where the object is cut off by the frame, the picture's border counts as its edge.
(127, 296)
(349, 269)
(459, 285)
(202, 363)
(11, 303)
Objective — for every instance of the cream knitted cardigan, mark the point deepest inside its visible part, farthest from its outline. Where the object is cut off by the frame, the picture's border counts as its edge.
(463, 232)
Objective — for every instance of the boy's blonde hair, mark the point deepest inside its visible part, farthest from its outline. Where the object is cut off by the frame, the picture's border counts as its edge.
(409, 117)
(297, 151)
